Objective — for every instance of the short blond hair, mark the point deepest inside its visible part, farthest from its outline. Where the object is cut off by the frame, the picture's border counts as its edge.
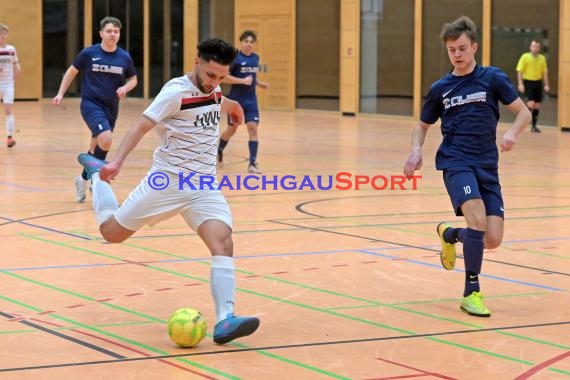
(4, 28)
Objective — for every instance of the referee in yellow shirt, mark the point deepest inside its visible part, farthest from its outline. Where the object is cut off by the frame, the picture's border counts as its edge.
(532, 74)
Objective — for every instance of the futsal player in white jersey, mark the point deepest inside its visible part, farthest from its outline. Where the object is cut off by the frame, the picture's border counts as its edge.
(186, 114)
(9, 69)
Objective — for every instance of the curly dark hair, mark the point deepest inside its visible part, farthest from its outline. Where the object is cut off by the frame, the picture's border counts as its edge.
(217, 50)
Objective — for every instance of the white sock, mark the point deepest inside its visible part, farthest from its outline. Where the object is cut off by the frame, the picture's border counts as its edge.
(104, 201)
(223, 285)
(10, 124)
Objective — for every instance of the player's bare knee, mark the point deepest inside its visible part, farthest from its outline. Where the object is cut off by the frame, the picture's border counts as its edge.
(252, 130)
(229, 132)
(110, 236)
(477, 223)
(105, 143)
(113, 232)
(224, 246)
(492, 241)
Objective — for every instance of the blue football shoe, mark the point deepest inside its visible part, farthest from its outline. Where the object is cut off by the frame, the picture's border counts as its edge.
(234, 327)
(91, 164)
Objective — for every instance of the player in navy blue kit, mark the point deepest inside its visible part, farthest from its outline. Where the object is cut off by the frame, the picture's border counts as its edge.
(243, 78)
(467, 101)
(108, 75)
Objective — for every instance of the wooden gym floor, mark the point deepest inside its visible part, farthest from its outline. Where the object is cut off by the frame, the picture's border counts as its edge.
(347, 284)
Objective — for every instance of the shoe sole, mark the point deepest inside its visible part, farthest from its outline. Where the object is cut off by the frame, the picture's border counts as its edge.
(443, 242)
(474, 314)
(11, 145)
(84, 160)
(246, 328)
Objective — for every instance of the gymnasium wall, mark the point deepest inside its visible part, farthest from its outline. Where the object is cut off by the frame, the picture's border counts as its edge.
(564, 72)
(25, 22)
(317, 46)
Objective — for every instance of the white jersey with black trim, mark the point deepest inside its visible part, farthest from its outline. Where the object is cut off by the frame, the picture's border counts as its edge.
(188, 123)
(8, 57)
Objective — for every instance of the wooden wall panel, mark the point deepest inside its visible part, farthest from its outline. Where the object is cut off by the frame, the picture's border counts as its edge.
(349, 56)
(274, 23)
(25, 22)
(564, 68)
(190, 33)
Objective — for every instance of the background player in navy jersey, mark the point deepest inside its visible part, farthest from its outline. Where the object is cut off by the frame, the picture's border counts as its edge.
(243, 78)
(108, 75)
(467, 101)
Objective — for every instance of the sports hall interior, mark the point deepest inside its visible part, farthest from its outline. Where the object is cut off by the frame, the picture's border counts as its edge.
(347, 284)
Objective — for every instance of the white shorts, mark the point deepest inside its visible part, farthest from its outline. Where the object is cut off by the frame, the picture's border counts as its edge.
(7, 93)
(148, 206)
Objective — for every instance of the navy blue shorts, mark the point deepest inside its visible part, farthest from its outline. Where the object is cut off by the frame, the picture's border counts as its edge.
(468, 182)
(250, 109)
(96, 118)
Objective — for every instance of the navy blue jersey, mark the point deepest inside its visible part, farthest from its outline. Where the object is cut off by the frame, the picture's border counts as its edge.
(103, 73)
(469, 110)
(244, 66)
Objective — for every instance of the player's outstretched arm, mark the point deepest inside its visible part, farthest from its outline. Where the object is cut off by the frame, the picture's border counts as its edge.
(522, 119)
(17, 67)
(262, 84)
(230, 79)
(128, 86)
(414, 161)
(234, 110)
(70, 74)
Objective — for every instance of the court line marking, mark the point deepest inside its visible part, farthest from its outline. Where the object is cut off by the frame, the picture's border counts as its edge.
(60, 335)
(305, 306)
(105, 333)
(281, 347)
(420, 372)
(148, 317)
(543, 366)
(425, 248)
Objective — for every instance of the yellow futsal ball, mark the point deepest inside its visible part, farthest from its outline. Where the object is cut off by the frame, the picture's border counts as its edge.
(186, 327)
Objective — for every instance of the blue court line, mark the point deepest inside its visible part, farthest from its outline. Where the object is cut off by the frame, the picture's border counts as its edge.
(438, 266)
(46, 228)
(29, 188)
(364, 251)
(97, 265)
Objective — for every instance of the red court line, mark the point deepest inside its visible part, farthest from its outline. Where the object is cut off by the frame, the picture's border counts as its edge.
(422, 372)
(541, 366)
(75, 306)
(401, 377)
(128, 348)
